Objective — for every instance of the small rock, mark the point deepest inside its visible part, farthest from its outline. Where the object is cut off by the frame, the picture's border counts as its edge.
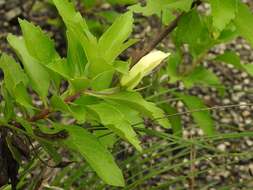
(244, 74)
(249, 143)
(226, 120)
(2, 2)
(222, 147)
(236, 97)
(226, 101)
(13, 14)
(238, 87)
(248, 121)
(246, 81)
(246, 113)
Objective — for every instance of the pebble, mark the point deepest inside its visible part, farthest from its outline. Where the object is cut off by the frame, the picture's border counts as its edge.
(248, 121)
(225, 120)
(249, 142)
(251, 167)
(19, 114)
(13, 13)
(180, 104)
(226, 101)
(244, 75)
(246, 81)
(246, 113)
(2, 2)
(243, 105)
(237, 96)
(222, 147)
(237, 87)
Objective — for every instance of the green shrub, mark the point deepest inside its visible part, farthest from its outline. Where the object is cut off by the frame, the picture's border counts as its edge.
(102, 93)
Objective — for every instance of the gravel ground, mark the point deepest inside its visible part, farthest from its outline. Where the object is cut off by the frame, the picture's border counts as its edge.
(239, 91)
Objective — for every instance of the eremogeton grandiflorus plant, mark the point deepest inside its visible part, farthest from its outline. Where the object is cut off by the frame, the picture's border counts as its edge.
(94, 97)
(101, 98)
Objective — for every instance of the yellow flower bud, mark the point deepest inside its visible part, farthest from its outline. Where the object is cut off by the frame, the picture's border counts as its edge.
(143, 68)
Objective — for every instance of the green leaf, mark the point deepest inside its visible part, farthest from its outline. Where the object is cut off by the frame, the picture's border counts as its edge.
(21, 95)
(77, 25)
(88, 3)
(233, 59)
(230, 57)
(156, 7)
(27, 125)
(80, 83)
(99, 158)
(183, 5)
(198, 36)
(223, 12)
(37, 74)
(78, 112)
(107, 139)
(199, 76)
(249, 69)
(190, 22)
(76, 56)
(85, 100)
(228, 34)
(167, 16)
(202, 118)
(39, 45)
(112, 118)
(59, 66)
(115, 36)
(122, 66)
(123, 47)
(130, 114)
(102, 80)
(173, 67)
(109, 15)
(122, 2)
(13, 73)
(70, 17)
(203, 76)
(8, 109)
(15, 80)
(243, 22)
(135, 101)
(175, 120)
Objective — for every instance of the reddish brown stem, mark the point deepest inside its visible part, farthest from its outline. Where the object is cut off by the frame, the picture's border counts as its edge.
(159, 37)
(72, 98)
(42, 115)
(45, 112)
(138, 54)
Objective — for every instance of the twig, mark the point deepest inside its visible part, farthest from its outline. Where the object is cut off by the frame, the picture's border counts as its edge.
(29, 10)
(72, 98)
(45, 112)
(42, 115)
(138, 54)
(159, 37)
(197, 110)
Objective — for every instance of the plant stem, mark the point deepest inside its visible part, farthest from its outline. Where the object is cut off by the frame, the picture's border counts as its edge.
(138, 54)
(45, 112)
(159, 37)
